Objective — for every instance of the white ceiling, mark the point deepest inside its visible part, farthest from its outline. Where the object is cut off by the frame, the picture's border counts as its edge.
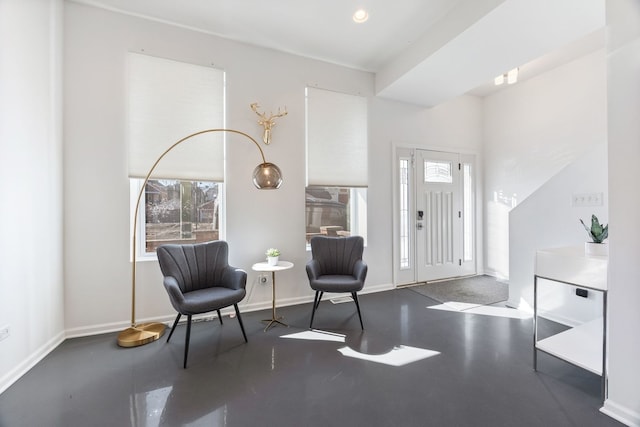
(320, 29)
(422, 51)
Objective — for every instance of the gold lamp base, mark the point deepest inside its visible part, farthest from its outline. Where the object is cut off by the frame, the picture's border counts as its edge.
(141, 334)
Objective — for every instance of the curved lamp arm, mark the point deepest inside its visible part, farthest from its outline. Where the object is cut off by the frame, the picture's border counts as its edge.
(265, 176)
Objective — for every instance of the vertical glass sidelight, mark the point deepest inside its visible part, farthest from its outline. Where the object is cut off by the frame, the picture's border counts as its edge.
(404, 213)
(467, 209)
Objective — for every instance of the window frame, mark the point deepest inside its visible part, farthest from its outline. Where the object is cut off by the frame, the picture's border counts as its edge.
(356, 209)
(350, 114)
(216, 80)
(135, 186)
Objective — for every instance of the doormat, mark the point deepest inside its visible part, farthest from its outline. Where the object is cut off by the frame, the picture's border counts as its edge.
(483, 290)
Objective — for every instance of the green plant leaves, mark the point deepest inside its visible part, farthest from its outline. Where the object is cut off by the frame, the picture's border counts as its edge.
(597, 232)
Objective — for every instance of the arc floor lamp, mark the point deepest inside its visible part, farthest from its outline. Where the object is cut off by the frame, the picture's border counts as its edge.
(266, 176)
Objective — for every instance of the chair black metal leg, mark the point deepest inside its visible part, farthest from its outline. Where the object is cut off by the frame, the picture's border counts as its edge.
(173, 328)
(219, 317)
(316, 301)
(319, 299)
(186, 343)
(240, 321)
(355, 298)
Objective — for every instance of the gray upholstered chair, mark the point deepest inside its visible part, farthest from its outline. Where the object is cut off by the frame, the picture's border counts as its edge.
(199, 279)
(336, 265)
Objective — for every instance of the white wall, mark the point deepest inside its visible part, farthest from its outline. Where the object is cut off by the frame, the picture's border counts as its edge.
(547, 219)
(97, 189)
(452, 126)
(97, 242)
(531, 131)
(31, 275)
(623, 79)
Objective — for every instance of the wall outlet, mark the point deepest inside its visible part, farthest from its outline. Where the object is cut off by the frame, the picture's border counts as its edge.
(4, 332)
(263, 279)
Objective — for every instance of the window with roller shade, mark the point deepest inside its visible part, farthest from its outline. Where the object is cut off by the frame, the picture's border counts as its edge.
(167, 101)
(336, 142)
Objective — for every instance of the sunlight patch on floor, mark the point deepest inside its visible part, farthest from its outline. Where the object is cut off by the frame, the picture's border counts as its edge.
(398, 356)
(316, 335)
(486, 310)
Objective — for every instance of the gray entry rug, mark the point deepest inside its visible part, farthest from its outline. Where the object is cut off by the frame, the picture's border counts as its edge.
(482, 290)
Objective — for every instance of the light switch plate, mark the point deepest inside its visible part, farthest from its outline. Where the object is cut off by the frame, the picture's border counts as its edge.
(586, 199)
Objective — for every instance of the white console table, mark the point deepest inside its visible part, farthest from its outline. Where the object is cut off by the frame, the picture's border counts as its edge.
(583, 345)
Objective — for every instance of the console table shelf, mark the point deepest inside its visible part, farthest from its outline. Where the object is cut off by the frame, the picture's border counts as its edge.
(580, 346)
(585, 344)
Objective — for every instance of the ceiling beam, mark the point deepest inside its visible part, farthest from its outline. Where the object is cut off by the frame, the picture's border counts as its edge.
(511, 34)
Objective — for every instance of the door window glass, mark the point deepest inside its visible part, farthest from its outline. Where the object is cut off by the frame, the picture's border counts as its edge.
(435, 171)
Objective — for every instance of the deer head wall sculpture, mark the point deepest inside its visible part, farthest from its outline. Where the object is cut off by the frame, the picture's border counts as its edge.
(267, 122)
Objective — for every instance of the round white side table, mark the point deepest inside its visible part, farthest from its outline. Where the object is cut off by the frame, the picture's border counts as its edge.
(264, 266)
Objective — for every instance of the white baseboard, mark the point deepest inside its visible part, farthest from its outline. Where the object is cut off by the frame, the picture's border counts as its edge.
(548, 315)
(494, 274)
(103, 328)
(14, 375)
(378, 288)
(513, 304)
(557, 318)
(168, 319)
(620, 413)
(264, 305)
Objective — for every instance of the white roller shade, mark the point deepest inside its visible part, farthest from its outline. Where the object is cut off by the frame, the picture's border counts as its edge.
(169, 100)
(336, 139)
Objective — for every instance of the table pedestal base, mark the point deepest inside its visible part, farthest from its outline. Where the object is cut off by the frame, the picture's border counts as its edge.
(263, 266)
(272, 322)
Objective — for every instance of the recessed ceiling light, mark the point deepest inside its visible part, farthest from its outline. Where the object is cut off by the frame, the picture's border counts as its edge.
(360, 16)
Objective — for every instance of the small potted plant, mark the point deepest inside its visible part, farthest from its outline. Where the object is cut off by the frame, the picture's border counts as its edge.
(272, 256)
(598, 233)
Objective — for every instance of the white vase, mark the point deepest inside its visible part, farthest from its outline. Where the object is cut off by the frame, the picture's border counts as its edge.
(272, 260)
(596, 249)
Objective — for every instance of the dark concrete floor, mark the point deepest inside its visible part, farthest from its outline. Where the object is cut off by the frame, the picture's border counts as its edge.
(483, 375)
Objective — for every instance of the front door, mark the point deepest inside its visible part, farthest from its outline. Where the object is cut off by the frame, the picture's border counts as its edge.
(441, 214)
(438, 215)
(434, 216)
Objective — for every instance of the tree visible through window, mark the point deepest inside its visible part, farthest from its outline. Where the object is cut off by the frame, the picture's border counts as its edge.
(337, 177)
(335, 211)
(167, 101)
(180, 212)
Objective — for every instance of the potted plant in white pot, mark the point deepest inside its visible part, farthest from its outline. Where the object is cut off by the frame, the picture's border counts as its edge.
(272, 256)
(598, 234)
